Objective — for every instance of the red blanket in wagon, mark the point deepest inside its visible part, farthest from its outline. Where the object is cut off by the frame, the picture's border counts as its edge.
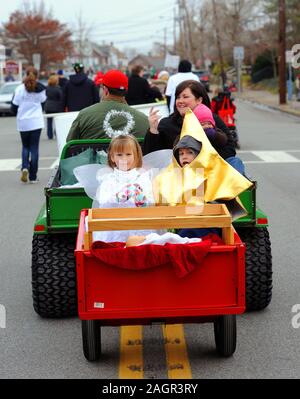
(183, 257)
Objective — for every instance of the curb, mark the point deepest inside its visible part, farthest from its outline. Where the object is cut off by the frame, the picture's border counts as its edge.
(273, 107)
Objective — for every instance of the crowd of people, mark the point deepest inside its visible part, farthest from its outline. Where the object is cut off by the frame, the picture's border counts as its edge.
(105, 111)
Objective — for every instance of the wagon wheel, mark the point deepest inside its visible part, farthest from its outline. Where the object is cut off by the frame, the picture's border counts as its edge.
(54, 275)
(225, 335)
(258, 267)
(91, 339)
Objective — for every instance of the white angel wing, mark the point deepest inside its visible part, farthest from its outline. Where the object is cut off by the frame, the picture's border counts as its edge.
(87, 175)
(157, 159)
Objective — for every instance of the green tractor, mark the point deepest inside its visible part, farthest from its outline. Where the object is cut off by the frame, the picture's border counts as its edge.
(53, 262)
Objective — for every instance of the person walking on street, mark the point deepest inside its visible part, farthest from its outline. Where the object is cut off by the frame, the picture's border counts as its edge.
(112, 116)
(139, 90)
(80, 91)
(54, 102)
(27, 105)
(62, 81)
(184, 73)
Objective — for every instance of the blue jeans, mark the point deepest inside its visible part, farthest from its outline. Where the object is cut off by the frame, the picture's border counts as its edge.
(237, 164)
(30, 151)
(198, 233)
(50, 128)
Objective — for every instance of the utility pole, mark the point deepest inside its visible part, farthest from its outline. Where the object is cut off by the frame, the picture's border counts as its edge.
(184, 45)
(191, 57)
(165, 41)
(174, 30)
(219, 42)
(282, 47)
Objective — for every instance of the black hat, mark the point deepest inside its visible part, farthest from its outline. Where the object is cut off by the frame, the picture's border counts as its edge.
(78, 67)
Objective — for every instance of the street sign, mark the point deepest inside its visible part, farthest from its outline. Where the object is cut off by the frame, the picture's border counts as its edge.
(207, 63)
(238, 53)
(2, 52)
(289, 55)
(172, 61)
(12, 67)
(36, 59)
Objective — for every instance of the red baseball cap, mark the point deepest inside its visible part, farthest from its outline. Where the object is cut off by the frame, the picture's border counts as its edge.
(115, 79)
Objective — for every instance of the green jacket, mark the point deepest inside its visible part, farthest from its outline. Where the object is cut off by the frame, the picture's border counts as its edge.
(107, 119)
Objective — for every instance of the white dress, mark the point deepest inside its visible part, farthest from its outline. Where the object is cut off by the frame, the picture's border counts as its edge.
(123, 189)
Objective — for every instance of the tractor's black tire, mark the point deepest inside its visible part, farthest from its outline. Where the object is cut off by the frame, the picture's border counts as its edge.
(91, 339)
(258, 267)
(54, 288)
(225, 335)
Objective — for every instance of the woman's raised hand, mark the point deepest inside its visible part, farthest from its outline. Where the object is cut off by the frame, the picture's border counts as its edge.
(154, 118)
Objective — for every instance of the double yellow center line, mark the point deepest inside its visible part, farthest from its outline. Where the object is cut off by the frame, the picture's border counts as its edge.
(131, 352)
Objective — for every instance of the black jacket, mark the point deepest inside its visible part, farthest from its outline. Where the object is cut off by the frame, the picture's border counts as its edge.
(62, 81)
(169, 129)
(80, 92)
(140, 92)
(54, 102)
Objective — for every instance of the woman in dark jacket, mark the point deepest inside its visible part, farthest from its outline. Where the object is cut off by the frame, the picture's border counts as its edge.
(54, 102)
(161, 134)
(139, 90)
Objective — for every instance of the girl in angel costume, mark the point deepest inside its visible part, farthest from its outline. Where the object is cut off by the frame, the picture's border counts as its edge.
(126, 184)
(123, 184)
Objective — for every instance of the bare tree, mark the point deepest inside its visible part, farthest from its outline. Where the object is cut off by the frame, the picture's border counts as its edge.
(82, 32)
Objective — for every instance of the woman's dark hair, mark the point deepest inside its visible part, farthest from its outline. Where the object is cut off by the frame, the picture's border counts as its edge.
(198, 91)
(30, 80)
(136, 69)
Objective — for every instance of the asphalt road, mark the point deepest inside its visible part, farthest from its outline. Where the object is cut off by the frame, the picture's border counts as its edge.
(268, 344)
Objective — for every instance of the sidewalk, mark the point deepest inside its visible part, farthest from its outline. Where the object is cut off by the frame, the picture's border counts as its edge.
(270, 100)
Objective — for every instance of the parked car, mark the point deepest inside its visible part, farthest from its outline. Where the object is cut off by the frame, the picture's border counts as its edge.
(203, 75)
(6, 95)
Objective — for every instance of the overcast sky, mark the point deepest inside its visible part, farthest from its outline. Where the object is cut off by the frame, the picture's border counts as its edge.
(127, 23)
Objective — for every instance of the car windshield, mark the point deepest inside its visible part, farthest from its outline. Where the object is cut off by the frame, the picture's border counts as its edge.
(9, 89)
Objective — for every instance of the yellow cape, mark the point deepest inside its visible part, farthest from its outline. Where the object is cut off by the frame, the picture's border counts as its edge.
(221, 180)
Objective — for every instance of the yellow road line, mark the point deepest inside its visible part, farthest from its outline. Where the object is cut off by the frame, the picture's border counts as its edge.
(131, 352)
(178, 364)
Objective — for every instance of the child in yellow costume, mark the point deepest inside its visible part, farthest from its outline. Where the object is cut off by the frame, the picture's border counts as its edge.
(220, 181)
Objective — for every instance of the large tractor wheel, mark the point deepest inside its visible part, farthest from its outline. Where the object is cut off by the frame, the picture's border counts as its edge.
(258, 267)
(91, 339)
(225, 335)
(54, 275)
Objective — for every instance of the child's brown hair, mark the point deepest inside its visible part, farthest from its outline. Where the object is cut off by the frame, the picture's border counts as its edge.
(120, 143)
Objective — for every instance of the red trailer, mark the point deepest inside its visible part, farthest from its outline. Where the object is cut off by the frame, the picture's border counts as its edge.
(214, 291)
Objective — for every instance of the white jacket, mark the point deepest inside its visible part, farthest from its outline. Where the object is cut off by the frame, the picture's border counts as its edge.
(30, 113)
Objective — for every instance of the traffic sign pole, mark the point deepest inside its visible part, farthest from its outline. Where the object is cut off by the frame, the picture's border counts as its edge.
(238, 55)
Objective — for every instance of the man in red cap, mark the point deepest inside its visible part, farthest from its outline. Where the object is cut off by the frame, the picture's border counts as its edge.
(112, 116)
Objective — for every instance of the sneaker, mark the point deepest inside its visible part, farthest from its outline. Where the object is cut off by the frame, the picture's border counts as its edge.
(24, 175)
(33, 181)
